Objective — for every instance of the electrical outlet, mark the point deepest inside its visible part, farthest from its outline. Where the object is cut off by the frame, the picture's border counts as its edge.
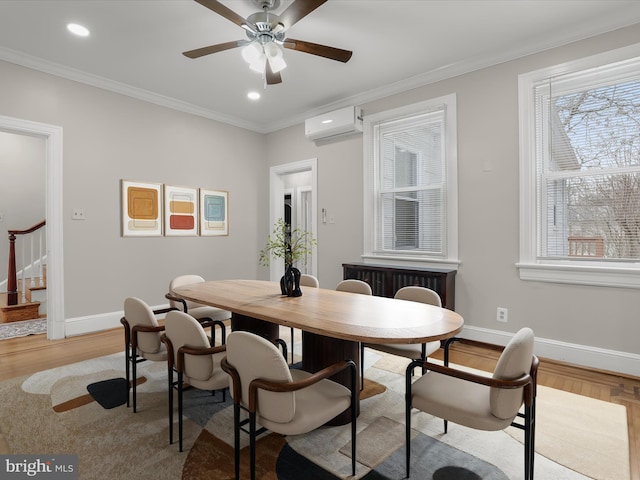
(502, 315)
(77, 214)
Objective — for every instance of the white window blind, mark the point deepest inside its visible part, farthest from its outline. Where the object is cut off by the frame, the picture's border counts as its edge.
(410, 185)
(587, 149)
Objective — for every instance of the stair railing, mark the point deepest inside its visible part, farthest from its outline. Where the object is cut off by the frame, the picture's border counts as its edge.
(30, 235)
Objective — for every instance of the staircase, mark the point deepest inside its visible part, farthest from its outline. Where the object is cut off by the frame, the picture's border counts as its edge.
(32, 306)
(26, 289)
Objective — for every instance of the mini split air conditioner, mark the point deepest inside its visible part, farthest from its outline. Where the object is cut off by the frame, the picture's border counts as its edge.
(338, 123)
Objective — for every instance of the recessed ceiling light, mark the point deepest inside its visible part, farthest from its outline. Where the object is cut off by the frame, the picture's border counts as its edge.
(253, 95)
(78, 30)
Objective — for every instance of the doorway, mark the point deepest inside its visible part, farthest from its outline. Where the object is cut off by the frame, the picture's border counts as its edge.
(294, 186)
(52, 136)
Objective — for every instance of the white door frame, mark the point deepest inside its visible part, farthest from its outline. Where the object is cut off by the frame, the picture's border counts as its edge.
(276, 204)
(55, 278)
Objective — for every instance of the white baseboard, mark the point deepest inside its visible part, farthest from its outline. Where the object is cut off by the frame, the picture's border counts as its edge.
(96, 323)
(585, 356)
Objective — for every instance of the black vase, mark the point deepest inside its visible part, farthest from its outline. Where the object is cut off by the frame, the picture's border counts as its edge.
(290, 282)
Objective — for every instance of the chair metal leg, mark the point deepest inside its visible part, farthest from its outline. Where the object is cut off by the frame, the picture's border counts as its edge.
(170, 390)
(127, 369)
(134, 381)
(180, 409)
(407, 422)
(361, 366)
(252, 443)
(236, 439)
(291, 345)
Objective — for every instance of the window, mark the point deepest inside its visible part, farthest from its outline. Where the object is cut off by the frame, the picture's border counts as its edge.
(580, 167)
(410, 187)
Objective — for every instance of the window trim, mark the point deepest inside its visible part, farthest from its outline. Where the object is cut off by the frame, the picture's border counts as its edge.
(451, 162)
(559, 271)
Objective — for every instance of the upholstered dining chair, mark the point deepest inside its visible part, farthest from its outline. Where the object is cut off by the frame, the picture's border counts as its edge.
(306, 280)
(479, 401)
(193, 359)
(415, 351)
(363, 288)
(202, 313)
(283, 400)
(141, 339)
(354, 286)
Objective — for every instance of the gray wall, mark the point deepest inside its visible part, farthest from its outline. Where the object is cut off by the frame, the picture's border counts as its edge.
(487, 102)
(108, 137)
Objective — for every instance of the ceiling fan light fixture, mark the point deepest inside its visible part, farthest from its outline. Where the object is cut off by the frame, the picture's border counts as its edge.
(273, 51)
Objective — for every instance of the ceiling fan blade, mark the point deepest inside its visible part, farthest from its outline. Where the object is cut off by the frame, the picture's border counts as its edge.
(222, 10)
(201, 52)
(298, 10)
(271, 77)
(325, 51)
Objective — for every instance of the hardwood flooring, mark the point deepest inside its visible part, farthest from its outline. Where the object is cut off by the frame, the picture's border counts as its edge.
(25, 355)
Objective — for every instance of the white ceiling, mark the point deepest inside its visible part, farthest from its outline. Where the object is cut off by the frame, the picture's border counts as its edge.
(136, 46)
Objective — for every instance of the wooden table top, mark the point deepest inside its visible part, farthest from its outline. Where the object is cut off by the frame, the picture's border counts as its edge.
(348, 316)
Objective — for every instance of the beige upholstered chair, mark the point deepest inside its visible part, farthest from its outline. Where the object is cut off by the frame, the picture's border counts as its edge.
(354, 286)
(306, 280)
(202, 313)
(478, 401)
(283, 400)
(193, 359)
(363, 288)
(141, 339)
(415, 351)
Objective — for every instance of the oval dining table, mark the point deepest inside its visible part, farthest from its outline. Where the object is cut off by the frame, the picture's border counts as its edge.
(333, 323)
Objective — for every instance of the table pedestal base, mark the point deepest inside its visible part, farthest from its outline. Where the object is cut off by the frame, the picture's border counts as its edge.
(319, 352)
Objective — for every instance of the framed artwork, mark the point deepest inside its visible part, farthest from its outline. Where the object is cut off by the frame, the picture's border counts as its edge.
(214, 212)
(180, 211)
(141, 209)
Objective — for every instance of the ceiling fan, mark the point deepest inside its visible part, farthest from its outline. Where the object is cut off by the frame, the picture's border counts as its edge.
(266, 33)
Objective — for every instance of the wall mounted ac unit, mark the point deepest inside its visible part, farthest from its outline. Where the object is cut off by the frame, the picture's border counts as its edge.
(338, 123)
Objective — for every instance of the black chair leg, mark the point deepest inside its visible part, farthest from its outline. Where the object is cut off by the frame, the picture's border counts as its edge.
(292, 339)
(236, 440)
(252, 443)
(180, 409)
(170, 390)
(134, 374)
(127, 367)
(361, 366)
(407, 422)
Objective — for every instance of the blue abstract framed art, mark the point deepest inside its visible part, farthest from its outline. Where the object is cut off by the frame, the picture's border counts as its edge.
(214, 212)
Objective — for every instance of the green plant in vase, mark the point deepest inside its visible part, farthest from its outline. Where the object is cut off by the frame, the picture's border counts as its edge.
(292, 246)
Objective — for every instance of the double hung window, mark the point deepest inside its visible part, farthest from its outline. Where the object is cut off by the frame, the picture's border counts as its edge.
(580, 172)
(410, 189)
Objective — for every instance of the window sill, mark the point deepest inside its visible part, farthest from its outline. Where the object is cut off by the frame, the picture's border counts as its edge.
(581, 275)
(406, 261)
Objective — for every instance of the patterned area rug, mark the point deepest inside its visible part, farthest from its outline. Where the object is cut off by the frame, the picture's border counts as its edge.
(52, 412)
(22, 329)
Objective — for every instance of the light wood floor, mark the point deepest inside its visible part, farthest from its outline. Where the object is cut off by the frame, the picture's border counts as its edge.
(22, 356)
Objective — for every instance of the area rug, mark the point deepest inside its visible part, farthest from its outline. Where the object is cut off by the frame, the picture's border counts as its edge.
(52, 413)
(22, 329)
